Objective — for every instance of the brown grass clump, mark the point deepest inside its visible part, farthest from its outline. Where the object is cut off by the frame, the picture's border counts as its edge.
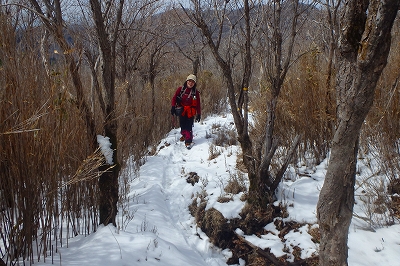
(315, 233)
(236, 184)
(197, 210)
(224, 199)
(212, 224)
(192, 178)
(213, 152)
(254, 220)
(255, 259)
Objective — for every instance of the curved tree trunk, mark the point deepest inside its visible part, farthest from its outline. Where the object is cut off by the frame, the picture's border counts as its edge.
(362, 55)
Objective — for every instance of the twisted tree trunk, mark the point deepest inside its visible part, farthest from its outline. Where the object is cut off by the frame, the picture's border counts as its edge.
(362, 55)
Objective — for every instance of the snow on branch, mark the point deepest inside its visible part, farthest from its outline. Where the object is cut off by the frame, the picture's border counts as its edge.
(105, 147)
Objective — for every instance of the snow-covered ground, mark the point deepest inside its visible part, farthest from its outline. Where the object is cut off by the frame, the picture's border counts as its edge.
(162, 231)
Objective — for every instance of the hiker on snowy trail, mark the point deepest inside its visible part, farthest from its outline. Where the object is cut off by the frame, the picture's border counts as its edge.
(186, 105)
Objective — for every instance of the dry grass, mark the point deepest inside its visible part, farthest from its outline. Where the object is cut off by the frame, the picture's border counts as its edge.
(236, 183)
(46, 156)
(380, 139)
(45, 147)
(305, 107)
(225, 137)
(213, 93)
(213, 152)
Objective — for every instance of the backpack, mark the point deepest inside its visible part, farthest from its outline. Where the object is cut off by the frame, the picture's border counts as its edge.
(179, 108)
(179, 98)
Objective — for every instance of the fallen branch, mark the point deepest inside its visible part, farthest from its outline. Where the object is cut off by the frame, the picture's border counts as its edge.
(261, 252)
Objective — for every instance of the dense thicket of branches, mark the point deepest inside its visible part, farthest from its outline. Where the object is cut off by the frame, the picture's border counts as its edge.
(47, 153)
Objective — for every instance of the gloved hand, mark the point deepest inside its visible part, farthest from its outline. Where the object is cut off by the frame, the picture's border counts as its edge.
(173, 110)
(198, 117)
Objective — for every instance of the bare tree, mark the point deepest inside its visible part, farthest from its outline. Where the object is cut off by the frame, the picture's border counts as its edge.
(134, 38)
(279, 56)
(51, 15)
(238, 23)
(154, 55)
(191, 43)
(107, 19)
(363, 49)
(107, 22)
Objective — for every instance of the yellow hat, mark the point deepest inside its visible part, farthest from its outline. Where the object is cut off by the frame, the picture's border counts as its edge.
(192, 77)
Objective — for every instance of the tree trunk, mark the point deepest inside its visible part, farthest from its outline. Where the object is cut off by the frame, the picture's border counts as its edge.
(196, 64)
(108, 182)
(362, 55)
(262, 183)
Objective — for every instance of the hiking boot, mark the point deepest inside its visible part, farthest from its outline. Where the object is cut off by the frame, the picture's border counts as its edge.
(182, 138)
(189, 145)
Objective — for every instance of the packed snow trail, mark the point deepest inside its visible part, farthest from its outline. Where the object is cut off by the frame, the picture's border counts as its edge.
(162, 231)
(176, 193)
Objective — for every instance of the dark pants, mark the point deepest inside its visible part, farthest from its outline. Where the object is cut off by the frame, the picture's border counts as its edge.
(186, 128)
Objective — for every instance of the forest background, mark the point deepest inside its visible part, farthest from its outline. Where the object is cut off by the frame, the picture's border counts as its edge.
(69, 74)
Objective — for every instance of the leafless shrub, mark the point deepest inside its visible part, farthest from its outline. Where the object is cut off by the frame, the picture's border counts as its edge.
(380, 139)
(223, 135)
(127, 176)
(213, 152)
(213, 93)
(236, 183)
(375, 201)
(305, 106)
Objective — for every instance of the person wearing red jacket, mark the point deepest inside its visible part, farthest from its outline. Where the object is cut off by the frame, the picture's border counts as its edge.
(186, 104)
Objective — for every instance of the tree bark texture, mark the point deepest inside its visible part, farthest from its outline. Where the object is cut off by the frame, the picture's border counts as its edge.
(108, 182)
(362, 55)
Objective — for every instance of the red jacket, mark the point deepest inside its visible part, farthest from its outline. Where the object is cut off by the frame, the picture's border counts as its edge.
(188, 99)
